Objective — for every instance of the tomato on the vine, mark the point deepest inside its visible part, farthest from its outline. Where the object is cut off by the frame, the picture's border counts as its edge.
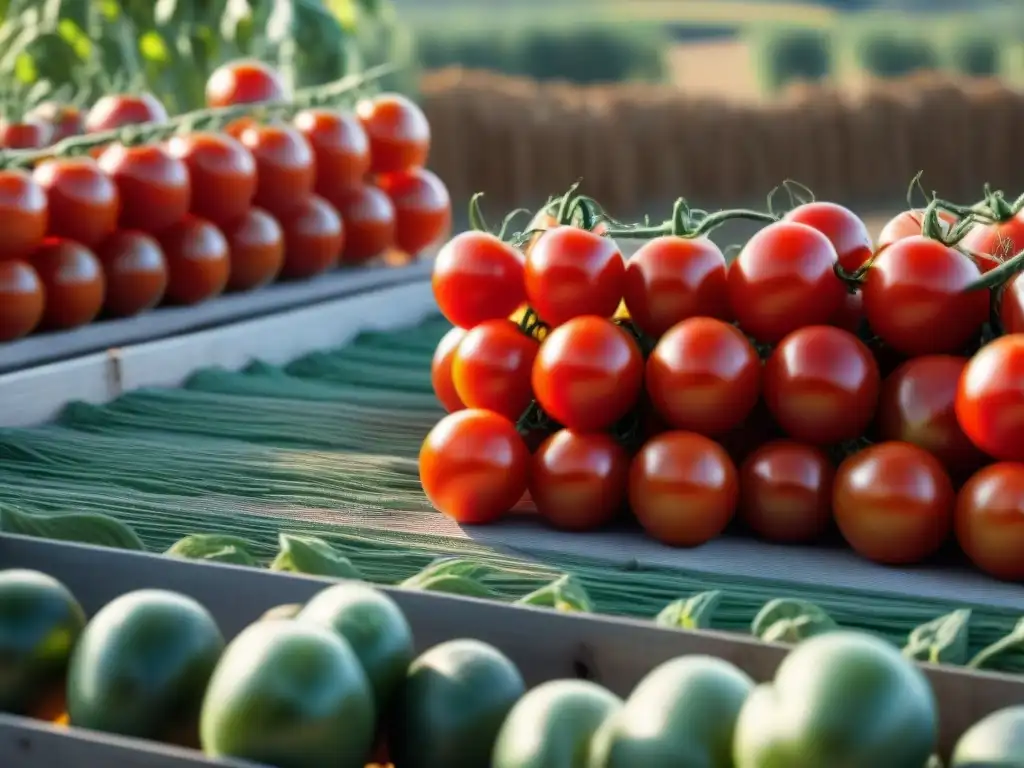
(135, 271)
(990, 398)
(340, 145)
(246, 81)
(369, 218)
(313, 238)
(1011, 305)
(73, 283)
(423, 209)
(29, 133)
(117, 110)
(198, 264)
(398, 131)
(474, 466)
(850, 315)
(83, 201)
(21, 300)
(153, 186)
(492, 366)
(441, 370)
(65, 120)
(285, 167)
(993, 243)
(23, 214)
(477, 277)
(544, 220)
(845, 230)
(989, 520)
(909, 224)
(256, 250)
(222, 174)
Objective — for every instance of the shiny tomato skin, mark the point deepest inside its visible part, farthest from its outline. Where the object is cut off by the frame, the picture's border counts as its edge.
(571, 272)
(73, 283)
(850, 314)
(198, 264)
(669, 279)
(477, 277)
(65, 120)
(398, 131)
(821, 385)
(23, 214)
(845, 230)
(683, 488)
(784, 279)
(423, 208)
(578, 480)
(704, 376)
(1011, 306)
(83, 202)
(786, 492)
(340, 145)
(908, 224)
(369, 219)
(222, 173)
(135, 270)
(990, 398)
(914, 297)
(285, 166)
(26, 134)
(115, 111)
(989, 520)
(22, 300)
(244, 81)
(492, 366)
(153, 186)
(474, 466)
(543, 221)
(441, 370)
(588, 374)
(256, 250)
(995, 243)
(313, 239)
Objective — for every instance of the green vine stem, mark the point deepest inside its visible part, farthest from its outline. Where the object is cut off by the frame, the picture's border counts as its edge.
(690, 223)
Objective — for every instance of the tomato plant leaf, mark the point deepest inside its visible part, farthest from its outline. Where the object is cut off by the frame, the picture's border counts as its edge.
(215, 547)
(81, 527)
(694, 612)
(941, 641)
(470, 569)
(455, 585)
(1005, 654)
(313, 557)
(787, 620)
(563, 594)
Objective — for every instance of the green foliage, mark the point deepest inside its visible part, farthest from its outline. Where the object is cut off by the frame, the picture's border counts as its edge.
(895, 49)
(785, 54)
(976, 52)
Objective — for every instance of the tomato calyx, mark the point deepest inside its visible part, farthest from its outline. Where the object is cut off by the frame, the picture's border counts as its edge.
(478, 223)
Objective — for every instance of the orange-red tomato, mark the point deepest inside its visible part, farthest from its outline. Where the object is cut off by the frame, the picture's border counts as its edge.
(237, 127)
(73, 283)
(27, 134)
(369, 219)
(398, 131)
(198, 264)
(683, 488)
(83, 201)
(423, 209)
(1011, 305)
(245, 81)
(313, 238)
(135, 271)
(477, 277)
(908, 224)
(990, 398)
(474, 466)
(441, 370)
(492, 366)
(845, 230)
(153, 186)
(989, 520)
(543, 221)
(222, 174)
(21, 300)
(340, 145)
(65, 120)
(992, 244)
(893, 503)
(256, 250)
(115, 111)
(578, 480)
(23, 214)
(285, 168)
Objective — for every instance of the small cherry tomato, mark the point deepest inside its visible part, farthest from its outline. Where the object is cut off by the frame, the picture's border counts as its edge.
(340, 145)
(256, 250)
(285, 169)
(989, 520)
(27, 134)
(491, 368)
(893, 503)
(683, 488)
(588, 374)
(821, 385)
(543, 221)
(243, 82)
(222, 174)
(914, 297)
(784, 279)
(704, 376)
(153, 186)
(578, 481)
(65, 120)
(1011, 306)
(423, 209)
(135, 271)
(83, 202)
(313, 239)
(21, 300)
(441, 370)
(786, 492)
(73, 283)
(670, 279)
(850, 314)
(990, 398)
(845, 230)
(23, 215)
(369, 219)
(909, 224)
(398, 131)
(237, 127)
(992, 244)
(198, 264)
(477, 277)
(115, 111)
(474, 466)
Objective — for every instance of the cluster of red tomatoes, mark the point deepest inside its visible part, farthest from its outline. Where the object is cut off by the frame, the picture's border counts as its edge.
(183, 220)
(822, 381)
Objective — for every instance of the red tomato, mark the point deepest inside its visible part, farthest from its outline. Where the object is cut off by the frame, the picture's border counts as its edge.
(256, 250)
(198, 264)
(313, 238)
(23, 214)
(844, 229)
(683, 488)
(340, 145)
(578, 481)
(153, 186)
(222, 174)
(670, 279)
(115, 111)
(21, 300)
(135, 271)
(474, 466)
(237, 127)
(893, 503)
(83, 202)
(285, 167)
(1011, 306)
(65, 120)
(990, 398)
(914, 297)
(543, 220)
(243, 82)
(989, 520)
(850, 315)
(492, 366)
(369, 219)
(588, 374)
(398, 131)
(784, 279)
(28, 134)
(423, 209)
(571, 272)
(72, 282)
(704, 376)
(478, 277)
(995, 243)
(786, 492)
(821, 385)
(908, 224)
(441, 370)
(756, 430)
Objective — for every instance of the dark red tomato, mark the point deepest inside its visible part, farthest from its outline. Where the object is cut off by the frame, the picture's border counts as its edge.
(571, 272)
(441, 370)
(821, 385)
(1011, 306)
(135, 271)
(704, 376)
(153, 186)
(243, 82)
(255, 249)
(474, 466)
(908, 224)
(73, 283)
(398, 131)
(893, 503)
(21, 300)
(423, 209)
(989, 520)
(65, 120)
(992, 244)
(914, 297)
(340, 145)
(683, 488)
(990, 398)
(784, 279)
(313, 239)
(83, 201)
(27, 134)
(369, 219)
(198, 263)
(786, 492)
(118, 110)
(670, 279)
(845, 230)
(285, 167)
(491, 368)
(850, 315)
(23, 215)
(588, 374)
(478, 277)
(222, 173)
(578, 481)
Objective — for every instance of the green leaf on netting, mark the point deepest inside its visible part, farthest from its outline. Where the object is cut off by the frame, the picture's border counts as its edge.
(454, 585)
(79, 527)
(469, 569)
(563, 594)
(786, 620)
(1005, 654)
(941, 641)
(694, 612)
(214, 547)
(313, 557)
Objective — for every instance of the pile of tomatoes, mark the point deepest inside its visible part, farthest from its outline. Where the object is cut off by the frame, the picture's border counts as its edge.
(821, 383)
(136, 224)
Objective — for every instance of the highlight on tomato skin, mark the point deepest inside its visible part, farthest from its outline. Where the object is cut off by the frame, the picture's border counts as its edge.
(441, 370)
(491, 368)
(423, 208)
(340, 146)
(135, 270)
(989, 520)
(23, 215)
(222, 175)
(477, 277)
(845, 230)
(244, 81)
(285, 166)
(313, 238)
(83, 203)
(368, 216)
(990, 398)
(117, 110)
(153, 186)
(398, 131)
(21, 300)
(73, 282)
(198, 264)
